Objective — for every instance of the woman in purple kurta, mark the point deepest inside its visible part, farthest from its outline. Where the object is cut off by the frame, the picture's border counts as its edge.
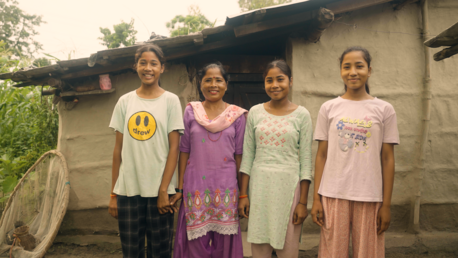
(209, 148)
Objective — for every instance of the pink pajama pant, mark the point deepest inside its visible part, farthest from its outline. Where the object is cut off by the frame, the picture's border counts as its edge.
(341, 217)
(293, 233)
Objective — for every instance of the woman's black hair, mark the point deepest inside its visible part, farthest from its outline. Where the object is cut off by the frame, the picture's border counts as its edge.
(280, 64)
(367, 57)
(201, 73)
(150, 48)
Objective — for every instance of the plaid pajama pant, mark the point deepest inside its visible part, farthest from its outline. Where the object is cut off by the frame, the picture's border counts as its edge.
(138, 216)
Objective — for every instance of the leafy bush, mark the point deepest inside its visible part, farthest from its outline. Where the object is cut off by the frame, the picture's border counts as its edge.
(28, 126)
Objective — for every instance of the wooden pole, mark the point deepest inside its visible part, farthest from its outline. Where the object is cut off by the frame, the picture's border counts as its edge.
(320, 24)
(446, 53)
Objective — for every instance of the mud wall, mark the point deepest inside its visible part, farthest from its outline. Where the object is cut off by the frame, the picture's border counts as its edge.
(394, 41)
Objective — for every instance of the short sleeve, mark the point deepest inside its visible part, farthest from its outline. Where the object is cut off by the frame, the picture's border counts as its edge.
(390, 128)
(322, 125)
(305, 147)
(185, 142)
(249, 145)
(175, 117)
(118, 117)
(240, 124)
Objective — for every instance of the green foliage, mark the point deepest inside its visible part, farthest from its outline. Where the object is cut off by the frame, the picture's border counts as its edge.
(248, 5)
(193, 22)
(28, 125)
(17, 29)
(124, 33)
(41, 62)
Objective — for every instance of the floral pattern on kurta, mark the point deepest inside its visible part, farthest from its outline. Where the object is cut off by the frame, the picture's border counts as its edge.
(210, 190)
(276, 156)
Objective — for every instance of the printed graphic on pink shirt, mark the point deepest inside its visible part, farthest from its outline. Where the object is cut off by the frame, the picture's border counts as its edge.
(354, 134)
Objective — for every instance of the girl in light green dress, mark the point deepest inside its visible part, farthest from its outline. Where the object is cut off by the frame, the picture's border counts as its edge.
(276, 165)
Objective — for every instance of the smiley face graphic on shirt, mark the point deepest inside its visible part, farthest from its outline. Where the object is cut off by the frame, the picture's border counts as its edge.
(142, 126)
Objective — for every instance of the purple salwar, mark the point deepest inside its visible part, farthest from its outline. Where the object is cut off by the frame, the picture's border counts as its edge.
(222, 246)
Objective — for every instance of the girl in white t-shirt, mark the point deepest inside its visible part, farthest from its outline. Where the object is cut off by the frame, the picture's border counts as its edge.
(148, 122)
(354, 168)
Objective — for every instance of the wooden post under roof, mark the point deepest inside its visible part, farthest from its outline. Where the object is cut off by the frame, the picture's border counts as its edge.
(320, 24)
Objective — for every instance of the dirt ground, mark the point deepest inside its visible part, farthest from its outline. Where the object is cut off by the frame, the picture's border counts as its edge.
(96, 251)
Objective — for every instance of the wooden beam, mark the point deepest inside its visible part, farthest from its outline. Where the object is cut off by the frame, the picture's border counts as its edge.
(73, 62)
(247, 18)
(48, 92)
(352, 5)
(230, 42)
(244, 30)
(36, 72)
(25, 84)
(215, 30)
(446, 53)
(320, 24)
(177, 41)
(92, 92)
(54, 82)
(199, 41)
(95, 71)
(259, 15)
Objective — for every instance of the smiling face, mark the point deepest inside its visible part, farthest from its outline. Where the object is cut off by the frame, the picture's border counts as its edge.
(149, 68)
(213, 85)
(355, 71)
(142, 126)
(277, 84)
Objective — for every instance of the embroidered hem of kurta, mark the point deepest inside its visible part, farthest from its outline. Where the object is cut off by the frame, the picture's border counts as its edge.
(230, 228)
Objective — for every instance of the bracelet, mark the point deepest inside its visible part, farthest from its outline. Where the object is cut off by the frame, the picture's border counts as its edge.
(179, 190)
(243, 196)
(113, 195)
(303, 204)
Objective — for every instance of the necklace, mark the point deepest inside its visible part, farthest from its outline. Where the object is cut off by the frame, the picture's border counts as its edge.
(220, 133)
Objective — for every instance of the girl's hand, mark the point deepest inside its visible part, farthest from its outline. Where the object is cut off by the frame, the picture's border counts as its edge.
(163, 203)
(113, 207)
(174, 201)
(383, 219)
(244, 207)
(300, 213)
(317, 213)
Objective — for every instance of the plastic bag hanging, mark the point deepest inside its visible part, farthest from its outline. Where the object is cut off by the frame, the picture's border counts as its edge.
(105, 82)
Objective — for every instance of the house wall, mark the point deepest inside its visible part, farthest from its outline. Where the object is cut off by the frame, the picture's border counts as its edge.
(397, 77)
(87, 143)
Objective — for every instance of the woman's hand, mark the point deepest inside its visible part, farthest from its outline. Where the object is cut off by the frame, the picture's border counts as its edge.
(300, 213)
(244, 207)
(174, 201)
(383, 219)
(113, 207)
(163, 203)
(317, 213)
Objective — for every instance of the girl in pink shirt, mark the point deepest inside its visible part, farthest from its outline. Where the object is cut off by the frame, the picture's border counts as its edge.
(354, 168)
